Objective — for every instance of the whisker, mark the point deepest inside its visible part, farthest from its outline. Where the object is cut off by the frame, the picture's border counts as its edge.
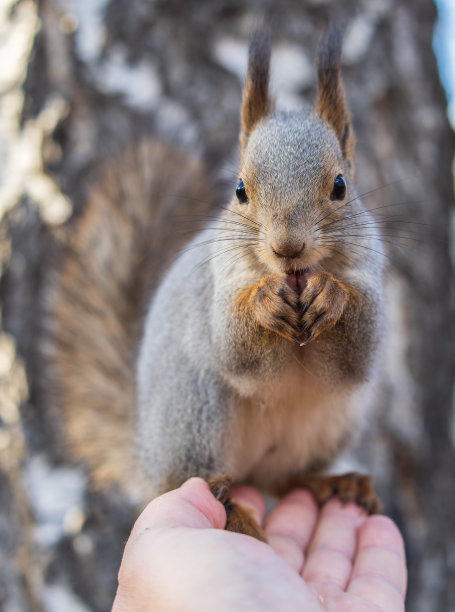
(388, 223)
(395, 182)
(366, 211)
(231, 233)
(198, 217)
(338, 252)
(236, 212)
(362, 246)
(237, 225)
(383, 235)
(235, 258)
(218, 253)
(304, 368)
(212, 241)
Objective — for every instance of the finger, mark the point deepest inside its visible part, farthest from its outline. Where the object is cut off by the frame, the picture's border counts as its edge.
(191, 505)
(379, 574)
(290, 525)
(329, 559)
(250, 498)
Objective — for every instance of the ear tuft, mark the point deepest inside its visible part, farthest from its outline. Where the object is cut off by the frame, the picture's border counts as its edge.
(256, 102)
(331, 103)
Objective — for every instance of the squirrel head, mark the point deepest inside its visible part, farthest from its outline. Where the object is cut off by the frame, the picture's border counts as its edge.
(296, 168)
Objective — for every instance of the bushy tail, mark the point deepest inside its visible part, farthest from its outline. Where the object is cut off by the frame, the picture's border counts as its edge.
(95, 300)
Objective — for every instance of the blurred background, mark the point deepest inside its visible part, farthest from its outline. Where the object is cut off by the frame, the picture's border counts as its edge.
(81, 78)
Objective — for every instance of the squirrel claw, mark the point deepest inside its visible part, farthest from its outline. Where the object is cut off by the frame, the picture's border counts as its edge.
(309, 336)
(220, 487)
(303, 308)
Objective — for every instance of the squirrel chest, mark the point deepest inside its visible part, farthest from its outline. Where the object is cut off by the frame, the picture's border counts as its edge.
(291, 424)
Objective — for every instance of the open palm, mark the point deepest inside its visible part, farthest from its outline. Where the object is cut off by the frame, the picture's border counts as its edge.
(178, 557)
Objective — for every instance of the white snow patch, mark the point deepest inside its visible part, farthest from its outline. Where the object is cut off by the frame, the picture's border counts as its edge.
(90, 30)
(138, 83)
(290, 69)
(58, 599)
(358, 37)
(56, 496)
(23, 164)
(232, 54)
(16, 39)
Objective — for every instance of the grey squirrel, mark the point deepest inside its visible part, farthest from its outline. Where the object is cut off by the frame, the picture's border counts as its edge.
(259, 344)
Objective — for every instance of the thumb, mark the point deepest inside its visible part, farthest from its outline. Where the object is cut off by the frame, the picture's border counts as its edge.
(191, 505)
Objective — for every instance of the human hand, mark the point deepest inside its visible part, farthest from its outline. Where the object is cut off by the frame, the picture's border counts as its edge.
(179, 558)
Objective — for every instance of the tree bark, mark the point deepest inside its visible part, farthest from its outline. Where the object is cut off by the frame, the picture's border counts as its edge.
(87, 78)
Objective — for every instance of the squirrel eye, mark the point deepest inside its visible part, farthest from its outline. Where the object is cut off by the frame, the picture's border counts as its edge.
(240, 192)
(339, 188)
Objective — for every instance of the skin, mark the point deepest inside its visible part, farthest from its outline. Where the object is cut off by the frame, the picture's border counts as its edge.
(178, 557)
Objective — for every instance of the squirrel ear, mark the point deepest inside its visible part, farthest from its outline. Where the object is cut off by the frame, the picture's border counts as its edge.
(330, 102)
(256, 102)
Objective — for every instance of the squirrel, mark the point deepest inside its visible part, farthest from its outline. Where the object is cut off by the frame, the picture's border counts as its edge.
(258, 347)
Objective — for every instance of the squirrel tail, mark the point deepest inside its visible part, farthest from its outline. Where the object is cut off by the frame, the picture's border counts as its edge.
(94, 301)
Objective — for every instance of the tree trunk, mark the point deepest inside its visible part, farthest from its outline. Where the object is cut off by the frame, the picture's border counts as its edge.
(85, 78)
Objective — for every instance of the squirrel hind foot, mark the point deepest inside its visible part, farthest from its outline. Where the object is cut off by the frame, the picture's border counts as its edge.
(348, 487)
(238, 518)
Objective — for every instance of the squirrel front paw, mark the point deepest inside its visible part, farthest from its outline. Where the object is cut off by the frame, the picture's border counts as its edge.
(322, 302)
(276, 306)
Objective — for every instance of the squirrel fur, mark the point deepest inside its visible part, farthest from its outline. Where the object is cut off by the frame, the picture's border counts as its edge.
(258, 347)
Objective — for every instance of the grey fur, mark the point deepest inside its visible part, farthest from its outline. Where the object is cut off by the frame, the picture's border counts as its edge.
(201, 369)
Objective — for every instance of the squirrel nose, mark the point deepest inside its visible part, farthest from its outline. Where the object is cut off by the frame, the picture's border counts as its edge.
(288, 250)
